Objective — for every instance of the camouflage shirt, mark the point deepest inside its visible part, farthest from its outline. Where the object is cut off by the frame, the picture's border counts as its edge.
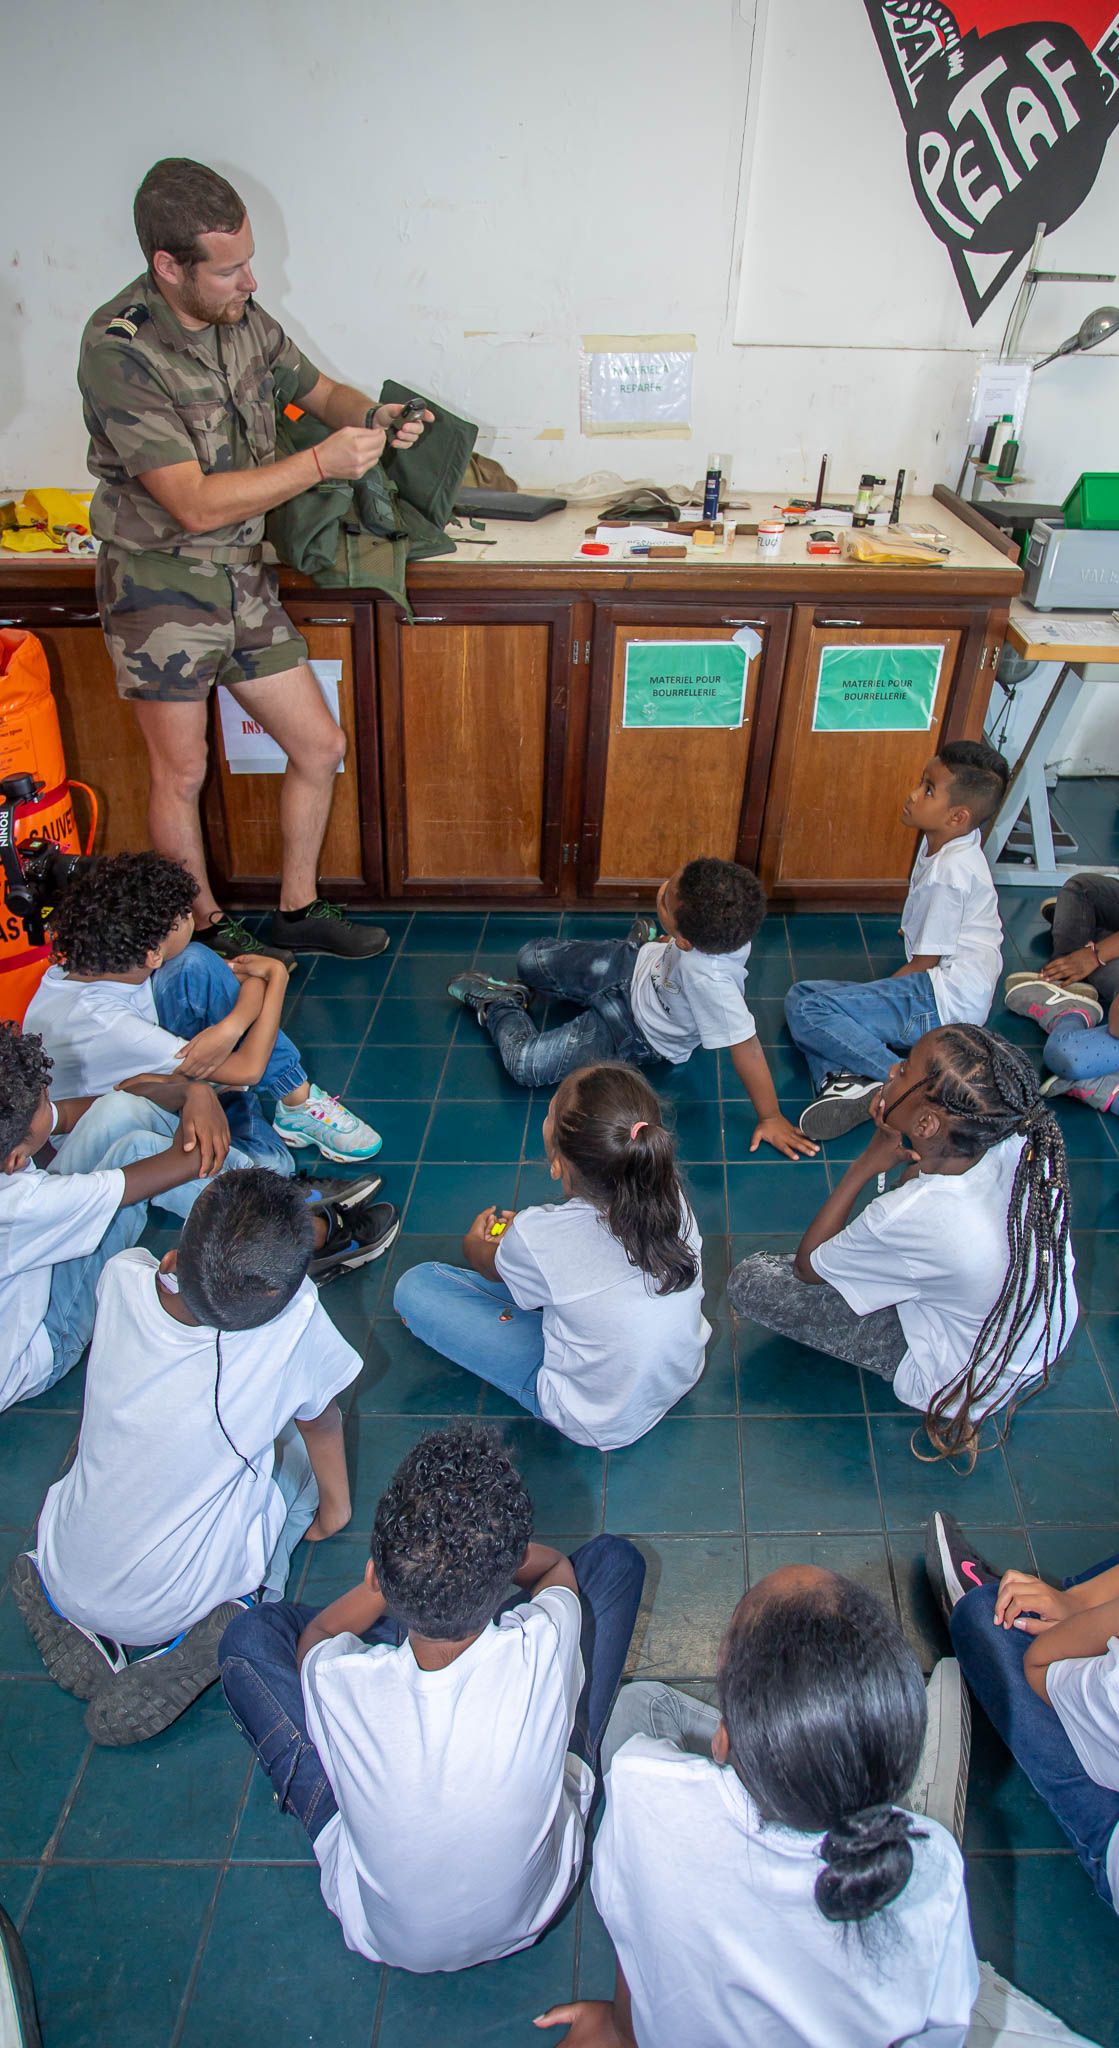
(155, 393)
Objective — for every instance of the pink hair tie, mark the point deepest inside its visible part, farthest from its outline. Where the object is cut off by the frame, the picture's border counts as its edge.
(642, 1126)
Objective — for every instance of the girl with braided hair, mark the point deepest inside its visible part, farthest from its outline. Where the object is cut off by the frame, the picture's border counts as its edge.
(957, 1285)
(758, 1867)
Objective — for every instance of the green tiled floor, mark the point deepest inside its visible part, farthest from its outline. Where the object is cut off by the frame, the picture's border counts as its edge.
(162, 1898)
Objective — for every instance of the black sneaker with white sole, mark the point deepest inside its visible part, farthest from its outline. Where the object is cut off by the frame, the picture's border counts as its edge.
(477, 991)
(325, 928)
(953, 1564)
(155, 1689)
(230, 936)
(844, 1101)
(79, 1661)
(357, 1235)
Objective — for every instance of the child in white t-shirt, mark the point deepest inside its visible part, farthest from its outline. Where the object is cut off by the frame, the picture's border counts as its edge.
(921, 1287)
(75, 1180)
(129, 994)
(211, 1441)
(1044, 1663)
(757, 1868)
(849, 1032)
(438, 1746)
(644, 998)
(589, 1314)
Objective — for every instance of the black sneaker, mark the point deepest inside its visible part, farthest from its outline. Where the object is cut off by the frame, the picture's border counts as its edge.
(79, 1661)
(953, 1564)
(844, 1101)
(643, 930)
(153, 1691)
(326, 929)
(346, 1194)
(477, 991)
(231, 935)
(357, 1235)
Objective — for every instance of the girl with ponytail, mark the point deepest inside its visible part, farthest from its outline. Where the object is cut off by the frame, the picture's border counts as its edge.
(587, 1313)
(758, 1869)
(957, 1285)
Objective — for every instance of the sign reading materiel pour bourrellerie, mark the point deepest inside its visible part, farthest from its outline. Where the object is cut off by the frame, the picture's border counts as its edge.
(684, 682)
(876, 689)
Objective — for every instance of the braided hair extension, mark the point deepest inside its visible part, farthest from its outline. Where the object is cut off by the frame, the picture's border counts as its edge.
(989, 1092)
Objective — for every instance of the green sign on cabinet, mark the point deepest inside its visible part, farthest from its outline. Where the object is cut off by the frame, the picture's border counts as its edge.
(877, 689)
(684, 682)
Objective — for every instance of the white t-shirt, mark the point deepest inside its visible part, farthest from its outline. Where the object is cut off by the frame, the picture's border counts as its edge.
(936, 1249)
(680, 1000)
(158, 1519)
(1084, 1691)
(952, 909)
(721, 1942)
(460, 1824)
(617, 1356)
(44, 1219)
(99, 1032)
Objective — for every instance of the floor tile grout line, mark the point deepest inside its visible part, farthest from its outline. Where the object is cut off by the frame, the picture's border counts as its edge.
(46, 1860)
(378, 2016)
(194, 1972)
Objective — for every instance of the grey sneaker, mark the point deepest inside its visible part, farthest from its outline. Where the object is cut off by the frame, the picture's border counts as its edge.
(643, 930)
(79, 1661)
(940, 1787)
(1101, 1094)
(477, 991)
(154, 1690)
(844, 1101)
(1049, 1002)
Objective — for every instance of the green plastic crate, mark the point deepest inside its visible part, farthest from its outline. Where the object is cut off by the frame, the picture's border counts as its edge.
(1094, 500)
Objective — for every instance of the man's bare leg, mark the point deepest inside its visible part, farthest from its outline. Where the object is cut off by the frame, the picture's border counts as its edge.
(175, 734)
(293, 712)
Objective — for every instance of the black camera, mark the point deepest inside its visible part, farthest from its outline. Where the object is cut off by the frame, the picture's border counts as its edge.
(35, 872)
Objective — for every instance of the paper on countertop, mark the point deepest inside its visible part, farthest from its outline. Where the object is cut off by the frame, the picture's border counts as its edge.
(1075, 629)
(633, 536)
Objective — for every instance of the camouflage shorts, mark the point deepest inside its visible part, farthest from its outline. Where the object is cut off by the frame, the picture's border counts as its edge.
(174, 625)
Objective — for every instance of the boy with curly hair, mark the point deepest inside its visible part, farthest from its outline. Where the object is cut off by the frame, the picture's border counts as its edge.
(437, 1741)
(129, 993)
(75, 1179)
(644, 997)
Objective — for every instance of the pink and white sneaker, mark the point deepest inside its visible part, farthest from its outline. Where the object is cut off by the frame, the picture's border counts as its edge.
(1050, 1002)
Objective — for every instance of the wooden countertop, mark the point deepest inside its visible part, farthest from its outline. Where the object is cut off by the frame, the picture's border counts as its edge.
(544, 553)
(1060, 636)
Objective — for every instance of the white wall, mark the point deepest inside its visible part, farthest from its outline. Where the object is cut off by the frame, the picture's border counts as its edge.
(455, 193)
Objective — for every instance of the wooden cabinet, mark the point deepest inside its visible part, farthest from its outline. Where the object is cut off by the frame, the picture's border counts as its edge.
(655, 798)
(242, 812)
(474, 711)
(832, 827)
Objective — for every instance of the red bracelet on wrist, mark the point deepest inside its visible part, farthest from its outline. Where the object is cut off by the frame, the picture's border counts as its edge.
(318, 464)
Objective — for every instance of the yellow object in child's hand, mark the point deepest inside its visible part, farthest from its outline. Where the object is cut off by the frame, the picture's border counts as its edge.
(497, 1228)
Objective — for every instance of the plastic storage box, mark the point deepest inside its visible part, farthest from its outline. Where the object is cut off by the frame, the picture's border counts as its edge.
(1094, 500)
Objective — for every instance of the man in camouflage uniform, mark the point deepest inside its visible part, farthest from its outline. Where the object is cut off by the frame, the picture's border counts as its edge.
(176, 375)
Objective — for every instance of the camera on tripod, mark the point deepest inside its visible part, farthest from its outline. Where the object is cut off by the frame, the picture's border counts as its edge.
(36, 871)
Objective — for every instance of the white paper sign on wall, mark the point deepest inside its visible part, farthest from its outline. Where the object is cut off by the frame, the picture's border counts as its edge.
(636, 384)
(249, 750)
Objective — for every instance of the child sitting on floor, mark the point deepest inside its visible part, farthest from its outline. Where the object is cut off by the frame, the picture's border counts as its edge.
(645, 998)
(1075, 1000)
(103, 1162)
(129, 993)
(438, 1746)
(757, 1868)
(211, 1441)
(589, 1314)
(957, 1285)
(849, 1032)
(1044, 1663)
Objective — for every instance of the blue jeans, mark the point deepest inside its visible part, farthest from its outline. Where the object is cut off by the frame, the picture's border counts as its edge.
(991, 1661)
(260, 1677)
(595, 973)
(118, 1129)
(1077, 1054)
(199, 988)
(858, 1027)
(477, 1323)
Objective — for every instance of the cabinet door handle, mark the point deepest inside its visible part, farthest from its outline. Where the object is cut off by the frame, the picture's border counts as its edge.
(745, 622)
(427, 619)
(841, 622)
(313, 619)
(66, 617)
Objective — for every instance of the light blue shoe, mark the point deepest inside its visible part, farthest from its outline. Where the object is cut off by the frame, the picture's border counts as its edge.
(324, 1121)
